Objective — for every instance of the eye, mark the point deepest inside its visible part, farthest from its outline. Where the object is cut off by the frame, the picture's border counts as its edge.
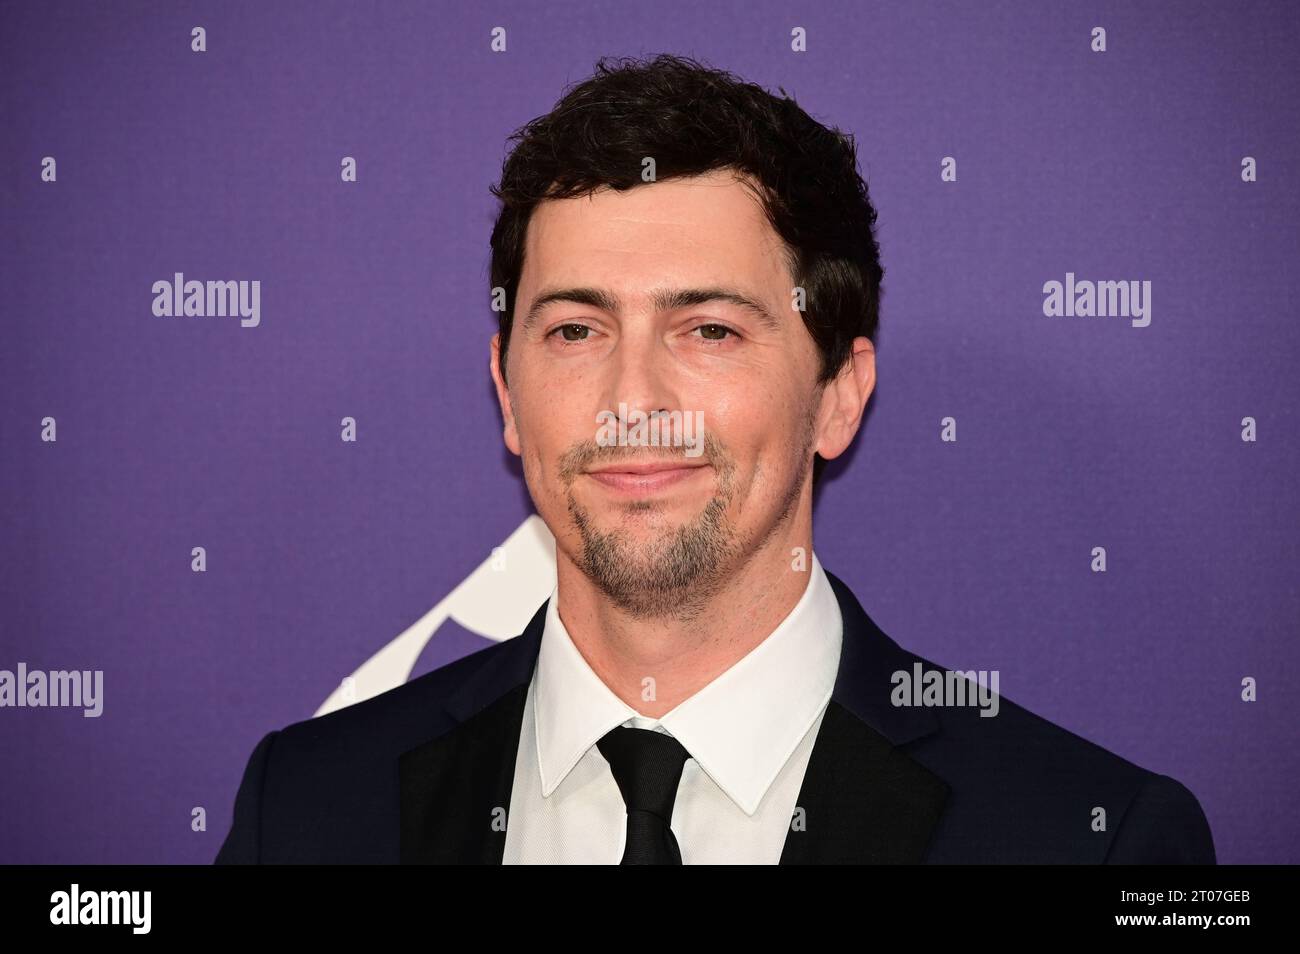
(715, 332)
(567, 327)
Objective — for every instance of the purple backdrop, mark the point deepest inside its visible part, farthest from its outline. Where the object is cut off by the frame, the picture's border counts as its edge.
(1073, 432)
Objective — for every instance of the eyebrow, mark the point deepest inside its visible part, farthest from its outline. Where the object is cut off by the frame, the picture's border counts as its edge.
(667, 299)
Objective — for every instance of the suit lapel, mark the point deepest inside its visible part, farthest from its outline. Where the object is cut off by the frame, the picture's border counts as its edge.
(455, 788)
(863, 800)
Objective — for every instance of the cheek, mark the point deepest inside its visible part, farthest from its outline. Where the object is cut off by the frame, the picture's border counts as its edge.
(768, 443)
(750, 420)
(764, 393)
(733, 415)
(559, 408)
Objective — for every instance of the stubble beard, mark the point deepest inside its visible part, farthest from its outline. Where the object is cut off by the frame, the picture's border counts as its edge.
(676, 574)
(673, 575)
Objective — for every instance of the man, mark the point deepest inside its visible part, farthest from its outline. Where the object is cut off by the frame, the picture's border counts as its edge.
(680, 247)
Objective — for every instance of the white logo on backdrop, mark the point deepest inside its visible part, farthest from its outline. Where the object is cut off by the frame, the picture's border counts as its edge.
(496, 601)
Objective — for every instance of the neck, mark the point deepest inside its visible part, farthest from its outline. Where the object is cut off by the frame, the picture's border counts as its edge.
(682, 656)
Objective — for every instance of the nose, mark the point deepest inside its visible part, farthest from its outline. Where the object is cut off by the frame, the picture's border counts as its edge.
(640, 378)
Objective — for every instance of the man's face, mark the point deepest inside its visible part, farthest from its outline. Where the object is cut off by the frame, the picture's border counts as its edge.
(660, 543)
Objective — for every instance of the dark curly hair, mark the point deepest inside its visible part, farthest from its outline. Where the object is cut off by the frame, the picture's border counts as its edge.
(693, 119)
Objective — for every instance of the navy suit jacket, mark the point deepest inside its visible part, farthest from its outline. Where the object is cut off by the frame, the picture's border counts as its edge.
(423, 774)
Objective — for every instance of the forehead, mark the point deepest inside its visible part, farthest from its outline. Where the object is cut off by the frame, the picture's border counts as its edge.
(707, 228)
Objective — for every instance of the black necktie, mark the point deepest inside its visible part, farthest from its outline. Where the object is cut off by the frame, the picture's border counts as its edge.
(647, 766)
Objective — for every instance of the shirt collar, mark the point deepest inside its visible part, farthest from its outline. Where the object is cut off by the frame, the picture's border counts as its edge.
(741, 728)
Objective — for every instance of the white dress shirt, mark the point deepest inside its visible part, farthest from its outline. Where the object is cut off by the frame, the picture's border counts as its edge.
(749, 732)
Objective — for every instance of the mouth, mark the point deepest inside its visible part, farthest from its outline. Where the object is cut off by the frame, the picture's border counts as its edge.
(646, 477)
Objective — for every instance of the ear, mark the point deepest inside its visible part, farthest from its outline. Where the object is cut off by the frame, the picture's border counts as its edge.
(845, 399)
(511, 433)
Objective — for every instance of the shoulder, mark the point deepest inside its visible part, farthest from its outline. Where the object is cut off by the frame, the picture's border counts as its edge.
(394, 720)
(325, 789)
(1052, 795)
